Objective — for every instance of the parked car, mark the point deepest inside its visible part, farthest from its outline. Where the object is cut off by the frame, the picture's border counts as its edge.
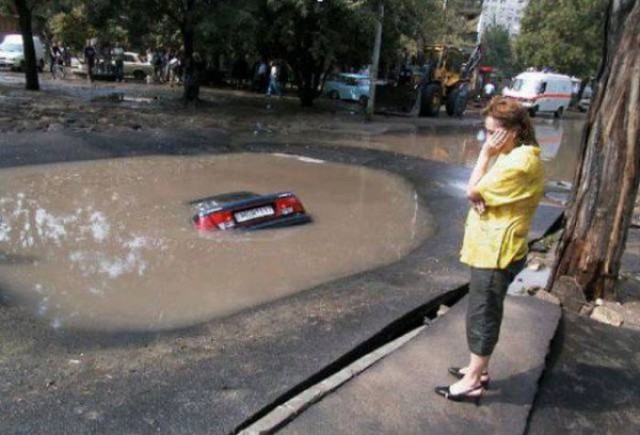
(343, 86)
(133, 66)
(584, 104)
(248, 210)
(12, 52)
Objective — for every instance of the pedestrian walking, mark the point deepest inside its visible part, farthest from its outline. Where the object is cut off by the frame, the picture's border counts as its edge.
(118, 56)
(166, 68)
(156, 61)
(503, 199)
(489, 90)
(57, 62)
(461, 97)
(90, 59)
(261, 76)
(175, 69)
(274, 87)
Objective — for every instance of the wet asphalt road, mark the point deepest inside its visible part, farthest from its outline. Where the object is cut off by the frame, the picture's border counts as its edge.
(213, 377)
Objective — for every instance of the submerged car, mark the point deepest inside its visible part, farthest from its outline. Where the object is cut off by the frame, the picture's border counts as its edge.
(248, 210)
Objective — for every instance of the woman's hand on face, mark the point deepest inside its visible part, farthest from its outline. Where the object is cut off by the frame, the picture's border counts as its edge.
(498, 141)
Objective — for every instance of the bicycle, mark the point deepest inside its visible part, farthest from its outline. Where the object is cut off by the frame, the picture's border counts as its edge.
(57, 70)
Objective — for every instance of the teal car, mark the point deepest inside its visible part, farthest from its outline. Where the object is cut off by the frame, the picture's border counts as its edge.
(344, 86)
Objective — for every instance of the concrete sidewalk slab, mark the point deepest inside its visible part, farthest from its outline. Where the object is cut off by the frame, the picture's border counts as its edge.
(396, 395)
(591, 384)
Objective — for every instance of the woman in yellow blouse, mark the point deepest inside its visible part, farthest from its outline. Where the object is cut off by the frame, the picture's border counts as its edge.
(503, 198)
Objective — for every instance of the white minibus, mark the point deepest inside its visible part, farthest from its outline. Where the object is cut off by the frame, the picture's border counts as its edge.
(541, 92)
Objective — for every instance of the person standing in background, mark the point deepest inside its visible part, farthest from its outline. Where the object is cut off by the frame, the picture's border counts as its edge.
(274, 87)
(118, 57)
(90, 59)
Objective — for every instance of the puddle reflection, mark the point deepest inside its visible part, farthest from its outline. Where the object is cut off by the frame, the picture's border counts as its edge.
(460, 144)
(108, 244)
(560, 143)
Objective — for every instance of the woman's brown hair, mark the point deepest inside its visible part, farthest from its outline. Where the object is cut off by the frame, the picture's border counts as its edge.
(512, 116)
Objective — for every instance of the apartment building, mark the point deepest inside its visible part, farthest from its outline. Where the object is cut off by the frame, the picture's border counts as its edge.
(506, 13)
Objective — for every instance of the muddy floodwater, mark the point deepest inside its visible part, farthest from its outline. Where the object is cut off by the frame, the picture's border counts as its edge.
(560, 142)
(109, 245)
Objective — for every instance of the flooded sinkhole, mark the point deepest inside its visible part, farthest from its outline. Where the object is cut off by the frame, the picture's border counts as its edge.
(108, 245)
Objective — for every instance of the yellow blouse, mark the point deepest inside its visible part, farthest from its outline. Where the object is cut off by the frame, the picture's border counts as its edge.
(512, 189)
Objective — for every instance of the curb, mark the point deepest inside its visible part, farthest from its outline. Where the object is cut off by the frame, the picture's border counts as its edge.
(289, 410)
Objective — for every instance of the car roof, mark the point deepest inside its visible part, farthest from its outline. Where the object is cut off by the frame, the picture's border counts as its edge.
(542, 75)
(225, 198)
(352, 75)
(12, 37)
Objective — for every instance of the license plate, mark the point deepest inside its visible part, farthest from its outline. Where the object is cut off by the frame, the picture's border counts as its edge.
(254, 213)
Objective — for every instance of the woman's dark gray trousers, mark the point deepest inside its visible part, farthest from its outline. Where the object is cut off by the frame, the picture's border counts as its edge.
(487, 290)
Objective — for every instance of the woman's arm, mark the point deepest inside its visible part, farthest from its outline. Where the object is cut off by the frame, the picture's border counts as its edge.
(481, 167)
(494, 144)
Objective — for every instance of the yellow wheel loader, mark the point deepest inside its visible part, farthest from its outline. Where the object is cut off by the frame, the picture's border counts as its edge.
(440, 76)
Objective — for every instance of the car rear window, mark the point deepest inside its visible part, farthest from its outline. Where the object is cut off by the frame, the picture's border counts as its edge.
(11, 47)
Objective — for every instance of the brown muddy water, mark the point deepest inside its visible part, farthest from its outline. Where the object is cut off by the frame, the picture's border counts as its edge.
(108, 245)
(460, 144)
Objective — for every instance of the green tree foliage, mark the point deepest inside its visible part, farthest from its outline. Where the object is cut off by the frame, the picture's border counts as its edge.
(6, 7)
(230, 30)
(415, 24)
(71, 28)
(562, 34)
(445, 22)
(497, 50)
(129, 23)
(312, 37)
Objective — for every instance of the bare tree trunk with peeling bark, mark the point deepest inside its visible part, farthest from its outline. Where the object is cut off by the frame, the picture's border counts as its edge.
(606, 181)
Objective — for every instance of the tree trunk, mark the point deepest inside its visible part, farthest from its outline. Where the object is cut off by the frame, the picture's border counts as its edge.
(307, 69)
(606, 180)
(187, 40)
(188, 31)
(375, 60)
(30, 63)
(305, 82)
(306, 95)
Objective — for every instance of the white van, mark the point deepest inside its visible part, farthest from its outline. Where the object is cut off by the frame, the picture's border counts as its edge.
(541, 92)
(12, 52)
